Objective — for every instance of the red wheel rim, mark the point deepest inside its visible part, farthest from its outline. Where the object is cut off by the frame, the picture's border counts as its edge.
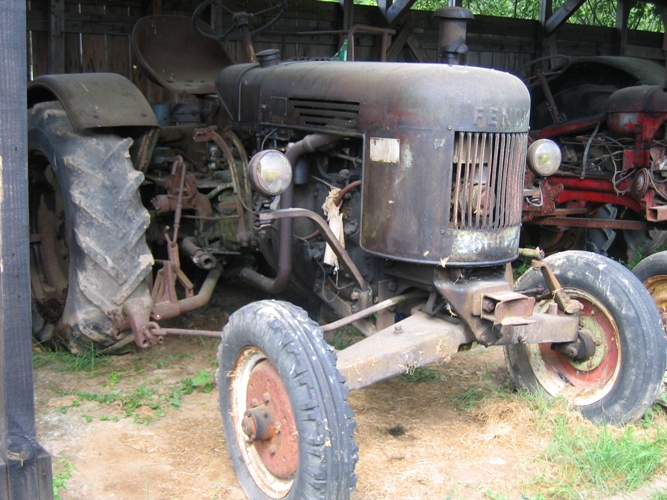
(271, 458)
(588, 381)
(280, 453)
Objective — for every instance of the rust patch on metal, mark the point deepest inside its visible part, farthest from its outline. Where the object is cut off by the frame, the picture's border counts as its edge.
(271, 421)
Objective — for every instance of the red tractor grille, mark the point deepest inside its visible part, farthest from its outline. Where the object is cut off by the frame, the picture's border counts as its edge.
(487, 180)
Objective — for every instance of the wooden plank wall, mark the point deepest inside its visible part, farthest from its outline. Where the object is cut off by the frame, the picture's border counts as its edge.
(96, 36)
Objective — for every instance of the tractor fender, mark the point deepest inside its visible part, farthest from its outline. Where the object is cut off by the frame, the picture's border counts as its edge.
(94, 100)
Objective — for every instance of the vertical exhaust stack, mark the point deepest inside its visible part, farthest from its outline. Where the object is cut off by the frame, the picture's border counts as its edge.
(452, 36)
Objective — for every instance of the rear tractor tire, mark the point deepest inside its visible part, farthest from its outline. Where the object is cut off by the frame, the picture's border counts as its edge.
(285, 415)
(622, 378)
(652, 272)
(88, 252)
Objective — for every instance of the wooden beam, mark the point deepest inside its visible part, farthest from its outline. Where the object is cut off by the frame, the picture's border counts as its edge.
(399, 42)
(546, 45)
(644, 52)
(384, 6)
(397, 12)
(56, 36)
(87, 23)
(622, 14)
(25, 468)
(558, 18)
(417, 50)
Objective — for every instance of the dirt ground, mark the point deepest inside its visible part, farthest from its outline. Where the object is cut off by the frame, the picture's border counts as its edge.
(120, 428)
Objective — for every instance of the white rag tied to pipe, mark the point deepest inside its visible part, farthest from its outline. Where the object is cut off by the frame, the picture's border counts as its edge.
(335, 219)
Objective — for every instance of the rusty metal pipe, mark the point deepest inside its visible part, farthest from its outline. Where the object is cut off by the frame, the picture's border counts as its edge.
(346, 261)
(308, 144)
(181, 331)
(248, 47)
(200, 257)
(166, 309)
(551, 103)
(372, 310)
(531, 253)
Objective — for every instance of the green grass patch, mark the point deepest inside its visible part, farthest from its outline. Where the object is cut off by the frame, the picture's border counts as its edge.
(599, 460)
(421, 374)
(68, 362)
(523, 266)
(62, 472)
(145, 402)
(581, 460)
(638, 257)
(470, 398)
(486, 390)
(164, 362)
(345, 337)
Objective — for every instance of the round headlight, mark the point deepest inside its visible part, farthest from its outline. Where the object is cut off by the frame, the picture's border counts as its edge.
(270, 172)
(544, 157)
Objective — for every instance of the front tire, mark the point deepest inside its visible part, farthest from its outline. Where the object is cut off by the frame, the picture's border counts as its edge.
(622, 379)
(87, 231)
(285, 414)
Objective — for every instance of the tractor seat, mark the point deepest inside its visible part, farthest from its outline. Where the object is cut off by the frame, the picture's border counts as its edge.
(175, 57)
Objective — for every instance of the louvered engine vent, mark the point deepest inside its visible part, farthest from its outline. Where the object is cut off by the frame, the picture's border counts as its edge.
(330, 114)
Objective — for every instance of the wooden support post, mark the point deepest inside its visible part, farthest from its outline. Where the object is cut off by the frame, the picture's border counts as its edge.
(348, 13)
(621, 37)
(56, 62)
(546, 43)
(25, 468)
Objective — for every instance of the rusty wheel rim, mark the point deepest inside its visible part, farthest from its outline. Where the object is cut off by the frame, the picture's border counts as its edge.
(49, 255)
(586, 382)
(258, 394)
(657, 287)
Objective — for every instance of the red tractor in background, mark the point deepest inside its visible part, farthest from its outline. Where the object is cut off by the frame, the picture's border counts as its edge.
(609, 193)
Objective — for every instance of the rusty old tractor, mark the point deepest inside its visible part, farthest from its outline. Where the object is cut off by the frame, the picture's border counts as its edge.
(390, 191)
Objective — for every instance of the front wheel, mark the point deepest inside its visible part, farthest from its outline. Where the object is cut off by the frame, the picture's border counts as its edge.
(621, 378)
(285, 414)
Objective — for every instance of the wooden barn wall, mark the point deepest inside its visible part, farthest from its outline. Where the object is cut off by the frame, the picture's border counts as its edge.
(96, 36)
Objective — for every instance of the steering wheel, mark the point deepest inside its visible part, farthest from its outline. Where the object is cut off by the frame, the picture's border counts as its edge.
(525, 71)
(239, 20)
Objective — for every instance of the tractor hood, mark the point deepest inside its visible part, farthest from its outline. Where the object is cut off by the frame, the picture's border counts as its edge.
(362, 97)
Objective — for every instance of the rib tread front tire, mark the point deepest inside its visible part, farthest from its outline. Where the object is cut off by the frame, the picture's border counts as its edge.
(293, 344)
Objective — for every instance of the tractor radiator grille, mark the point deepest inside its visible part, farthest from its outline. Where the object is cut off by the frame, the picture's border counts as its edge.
(330, 114)
(487, 180)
